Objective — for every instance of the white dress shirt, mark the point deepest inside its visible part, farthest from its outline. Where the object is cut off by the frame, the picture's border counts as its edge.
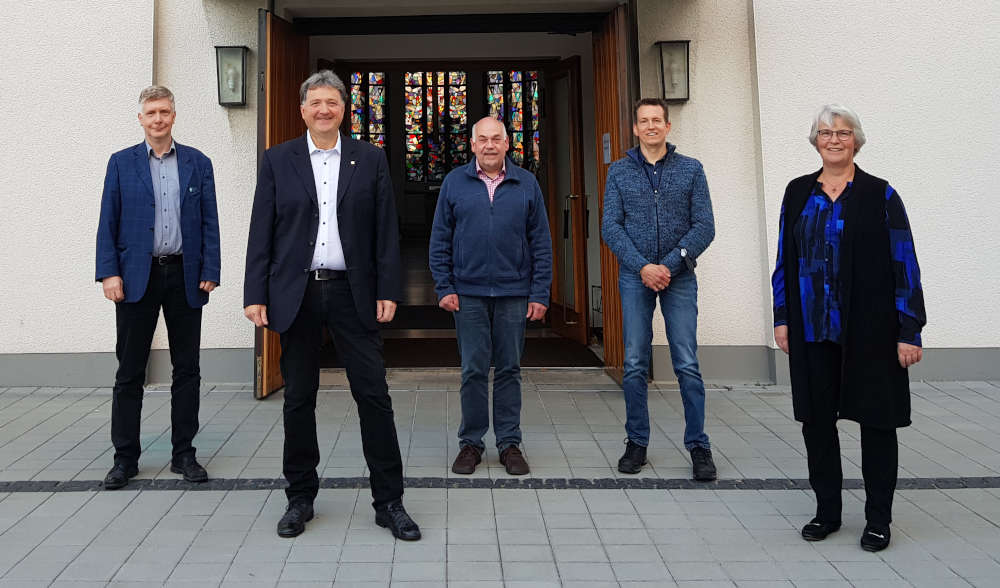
(329, 253)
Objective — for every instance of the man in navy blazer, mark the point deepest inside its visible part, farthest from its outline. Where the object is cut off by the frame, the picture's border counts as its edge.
(157, 246)
(323, 253)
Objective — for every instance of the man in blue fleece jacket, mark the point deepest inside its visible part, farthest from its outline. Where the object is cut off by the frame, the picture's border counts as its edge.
(657, 221)
(491, 259)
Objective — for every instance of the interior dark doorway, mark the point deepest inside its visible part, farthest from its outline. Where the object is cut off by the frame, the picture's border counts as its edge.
(421, 114)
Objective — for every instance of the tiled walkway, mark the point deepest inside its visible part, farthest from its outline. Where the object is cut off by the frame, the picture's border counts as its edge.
(728, 534)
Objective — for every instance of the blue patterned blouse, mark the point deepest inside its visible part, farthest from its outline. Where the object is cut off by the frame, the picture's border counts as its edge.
(818, 232)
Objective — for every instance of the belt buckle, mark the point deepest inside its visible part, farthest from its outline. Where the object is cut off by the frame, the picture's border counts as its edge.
(316, 276)
(162, 259)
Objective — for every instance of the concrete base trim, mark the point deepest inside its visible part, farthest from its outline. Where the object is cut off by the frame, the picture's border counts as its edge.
(761, 364)
(97, 370)
(721, 363)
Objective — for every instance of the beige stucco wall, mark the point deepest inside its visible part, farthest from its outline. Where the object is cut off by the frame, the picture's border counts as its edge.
(69, 86)
(70, 101)
(716, 127)
(186, 33)
(923, 76)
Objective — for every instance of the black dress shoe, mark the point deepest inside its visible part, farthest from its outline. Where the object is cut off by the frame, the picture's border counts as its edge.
(293, 522)
(875, 537)
(633, 459)
(395, 518)
(119, 476)
(817, 530)
(702, 465)
(189, 467)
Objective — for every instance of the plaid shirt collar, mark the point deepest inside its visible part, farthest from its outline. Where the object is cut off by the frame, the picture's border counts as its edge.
(500, 176)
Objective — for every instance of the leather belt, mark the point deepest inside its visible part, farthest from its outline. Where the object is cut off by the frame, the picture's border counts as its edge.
(167, 259)
(327, 274)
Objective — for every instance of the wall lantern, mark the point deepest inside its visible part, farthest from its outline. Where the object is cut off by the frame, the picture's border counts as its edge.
(674, 71)
(231, 67)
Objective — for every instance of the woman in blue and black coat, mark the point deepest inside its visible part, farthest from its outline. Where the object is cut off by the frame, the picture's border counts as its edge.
(848, 311)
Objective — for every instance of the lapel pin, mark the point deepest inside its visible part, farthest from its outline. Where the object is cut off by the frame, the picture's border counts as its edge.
(352, 162)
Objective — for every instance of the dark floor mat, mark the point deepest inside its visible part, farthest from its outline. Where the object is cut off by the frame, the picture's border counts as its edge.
(429, 317)
(538, 352)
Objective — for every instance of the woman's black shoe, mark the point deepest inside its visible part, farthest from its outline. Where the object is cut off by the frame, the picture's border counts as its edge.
(875, 538)
(817, 530)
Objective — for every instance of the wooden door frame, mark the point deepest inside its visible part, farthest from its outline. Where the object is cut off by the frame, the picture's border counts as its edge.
(616, 87)
(623, 21)
(271, 129)
(578, 332)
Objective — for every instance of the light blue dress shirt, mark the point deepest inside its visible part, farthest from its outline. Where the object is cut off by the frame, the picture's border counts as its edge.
(167, 198)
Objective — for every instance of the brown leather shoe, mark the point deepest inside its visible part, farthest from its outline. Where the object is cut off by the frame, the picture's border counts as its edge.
(467, 460)
(514, 461)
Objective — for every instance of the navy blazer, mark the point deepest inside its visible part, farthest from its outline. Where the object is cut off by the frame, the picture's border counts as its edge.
(125, 229)
(285, 221)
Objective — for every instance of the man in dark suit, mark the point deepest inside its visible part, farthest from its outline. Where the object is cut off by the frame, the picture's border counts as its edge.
(157, 246)
(324, 251)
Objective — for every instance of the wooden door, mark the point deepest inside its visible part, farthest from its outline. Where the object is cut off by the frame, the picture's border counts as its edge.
(566, 199)
(283, 64)
(614, 92)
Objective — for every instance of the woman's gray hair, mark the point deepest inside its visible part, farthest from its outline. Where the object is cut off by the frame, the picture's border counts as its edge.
(155, 93)
(826, 116)
(324, 78)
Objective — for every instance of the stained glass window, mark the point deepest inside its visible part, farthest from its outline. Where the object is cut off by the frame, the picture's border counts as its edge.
(368, 107)
(512, 98)
(436, 124)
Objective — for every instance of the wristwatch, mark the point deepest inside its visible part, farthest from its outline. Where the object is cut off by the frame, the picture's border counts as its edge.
(689, 263)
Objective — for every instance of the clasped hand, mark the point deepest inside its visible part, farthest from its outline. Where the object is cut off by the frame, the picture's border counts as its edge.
(654, 276)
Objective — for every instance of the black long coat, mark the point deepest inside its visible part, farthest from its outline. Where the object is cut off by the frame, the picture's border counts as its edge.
(875, 389)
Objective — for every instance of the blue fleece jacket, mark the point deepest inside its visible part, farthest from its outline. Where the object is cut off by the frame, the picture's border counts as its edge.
(649, 218)
(498, 248)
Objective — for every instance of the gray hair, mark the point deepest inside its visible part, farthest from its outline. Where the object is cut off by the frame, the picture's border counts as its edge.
(324, 78)
(155, 93)
(500, 122)
(826, 116)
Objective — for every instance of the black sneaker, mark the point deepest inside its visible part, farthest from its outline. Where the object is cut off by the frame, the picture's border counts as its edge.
(817, 530)
(702, 464)
(633, 459)
(875, 537)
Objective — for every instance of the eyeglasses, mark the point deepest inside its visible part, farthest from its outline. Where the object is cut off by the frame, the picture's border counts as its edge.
(827, 134)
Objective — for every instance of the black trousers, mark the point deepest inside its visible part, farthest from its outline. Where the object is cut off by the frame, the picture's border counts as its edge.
(136, 322)
(329, 304)
(879, 447)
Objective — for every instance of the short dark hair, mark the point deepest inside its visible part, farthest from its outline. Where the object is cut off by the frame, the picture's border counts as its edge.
(650, 102)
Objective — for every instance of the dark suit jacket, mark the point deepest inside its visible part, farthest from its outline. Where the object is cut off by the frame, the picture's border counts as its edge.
(285, 219)
(125, 229)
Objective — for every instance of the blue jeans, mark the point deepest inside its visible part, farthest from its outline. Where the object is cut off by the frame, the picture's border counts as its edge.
(491, 329)
(679, 305)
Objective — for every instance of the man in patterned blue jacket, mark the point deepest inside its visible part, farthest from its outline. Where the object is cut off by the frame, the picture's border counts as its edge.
(657, 221)
(157, 246)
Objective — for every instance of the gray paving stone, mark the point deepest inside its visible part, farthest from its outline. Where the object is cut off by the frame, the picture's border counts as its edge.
(523, 532)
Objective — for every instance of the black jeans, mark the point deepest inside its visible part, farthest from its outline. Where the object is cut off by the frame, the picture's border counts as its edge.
(136, 322)
(879, 447)
(329, 304)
